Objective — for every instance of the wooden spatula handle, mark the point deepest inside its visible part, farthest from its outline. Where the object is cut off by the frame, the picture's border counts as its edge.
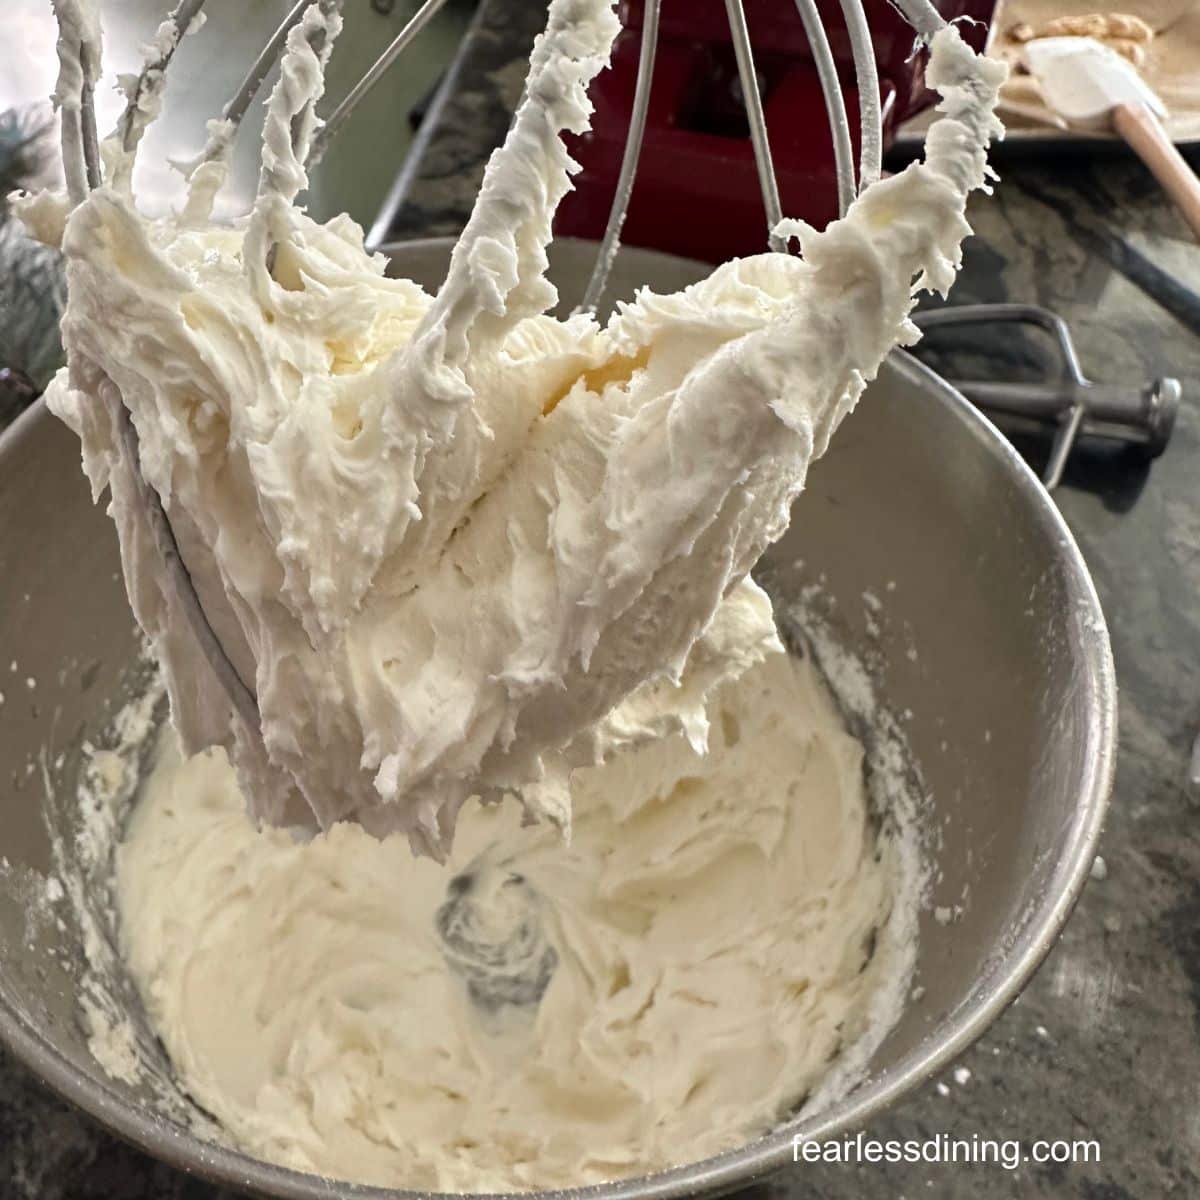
(1145, 134)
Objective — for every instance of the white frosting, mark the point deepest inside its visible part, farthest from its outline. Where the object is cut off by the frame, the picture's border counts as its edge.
(716, 932)
(456, 546)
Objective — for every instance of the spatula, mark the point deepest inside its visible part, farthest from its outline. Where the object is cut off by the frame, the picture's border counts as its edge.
(1093, 87)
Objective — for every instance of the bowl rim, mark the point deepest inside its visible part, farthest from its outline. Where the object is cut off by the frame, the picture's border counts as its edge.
(181, 1148)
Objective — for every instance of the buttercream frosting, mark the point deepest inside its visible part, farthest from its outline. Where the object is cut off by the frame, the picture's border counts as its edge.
(533, 1015)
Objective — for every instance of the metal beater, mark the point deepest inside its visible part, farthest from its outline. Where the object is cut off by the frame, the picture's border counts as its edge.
(82, 167)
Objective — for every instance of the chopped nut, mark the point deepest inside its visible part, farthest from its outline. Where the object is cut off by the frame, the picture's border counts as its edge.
(1126, 25)
(1135, 52)
(1102, 26)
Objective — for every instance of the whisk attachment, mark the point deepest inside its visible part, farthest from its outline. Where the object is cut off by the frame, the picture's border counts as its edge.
(224, 130)
(243, 699)
(297, 134)
(79, 52)
(206, 173)
(752, 99)
(629, 157)
(835, 102)
(375, 72)
(89, 63)
(869, 113)
(144, 93)
(290, 125)
(74, 95)
(923, 17)
(237, 107)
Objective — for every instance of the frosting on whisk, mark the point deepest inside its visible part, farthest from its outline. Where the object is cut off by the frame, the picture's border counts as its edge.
(459, 546)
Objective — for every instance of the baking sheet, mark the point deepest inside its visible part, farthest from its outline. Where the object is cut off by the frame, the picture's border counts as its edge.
(1171, 66)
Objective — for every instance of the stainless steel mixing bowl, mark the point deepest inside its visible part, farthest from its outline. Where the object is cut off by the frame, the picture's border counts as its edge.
(918, 502)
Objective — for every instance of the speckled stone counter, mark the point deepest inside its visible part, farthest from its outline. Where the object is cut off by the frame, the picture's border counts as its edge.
(1105, 1042)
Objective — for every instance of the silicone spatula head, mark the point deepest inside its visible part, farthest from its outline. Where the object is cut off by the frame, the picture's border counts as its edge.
(1082, 80)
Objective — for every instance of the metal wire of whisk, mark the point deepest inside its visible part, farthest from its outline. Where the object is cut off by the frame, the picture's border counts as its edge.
(82, 167)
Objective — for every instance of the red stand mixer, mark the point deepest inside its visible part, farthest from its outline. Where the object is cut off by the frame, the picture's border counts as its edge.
(695, 192)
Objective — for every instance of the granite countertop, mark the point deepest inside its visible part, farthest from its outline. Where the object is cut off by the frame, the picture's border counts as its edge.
(1105, 1042)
